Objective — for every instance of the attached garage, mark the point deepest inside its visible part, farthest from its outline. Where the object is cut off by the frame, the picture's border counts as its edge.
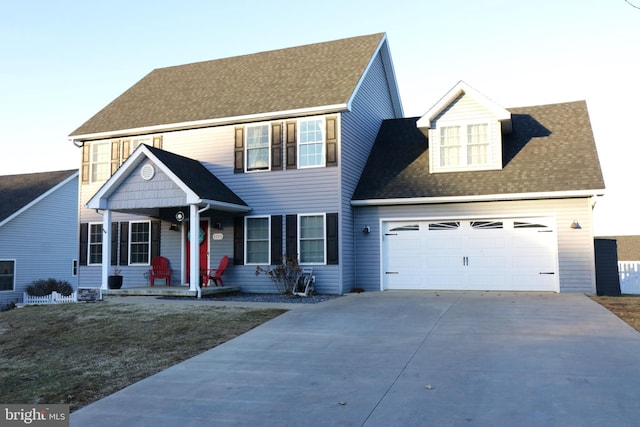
(510, 254)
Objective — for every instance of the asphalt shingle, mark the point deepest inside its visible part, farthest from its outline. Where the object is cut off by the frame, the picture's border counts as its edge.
(551, 149)
(307, 76)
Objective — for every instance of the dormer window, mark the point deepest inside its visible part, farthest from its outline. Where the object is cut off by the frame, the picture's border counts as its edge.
(464, 145)
(465, 131)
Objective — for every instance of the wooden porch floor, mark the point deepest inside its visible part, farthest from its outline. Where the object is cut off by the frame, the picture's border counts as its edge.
(169, 291)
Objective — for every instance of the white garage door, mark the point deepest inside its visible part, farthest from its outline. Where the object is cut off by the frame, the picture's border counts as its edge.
(500, 254)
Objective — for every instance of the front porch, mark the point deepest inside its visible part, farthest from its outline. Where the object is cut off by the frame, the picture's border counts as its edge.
(169, 291)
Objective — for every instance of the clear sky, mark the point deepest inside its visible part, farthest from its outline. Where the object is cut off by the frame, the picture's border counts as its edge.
(62, 61)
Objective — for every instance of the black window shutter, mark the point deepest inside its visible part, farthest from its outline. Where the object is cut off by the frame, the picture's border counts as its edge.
(115, 155)
(86, 148)
(238, 162)
(124, 243)
(238, 240)
(291, 145)
(276, 239)
(126, 149)
(276, 146)
(114, 243)
(332, 141)
(332, 238)
(292, 236)
(84, 243)
(155, 239)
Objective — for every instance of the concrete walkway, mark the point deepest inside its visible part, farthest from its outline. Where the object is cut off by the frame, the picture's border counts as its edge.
(403, 358)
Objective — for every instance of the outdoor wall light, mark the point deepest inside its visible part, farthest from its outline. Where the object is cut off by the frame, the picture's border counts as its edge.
(366, 229)
(217, 226)
(174, 227)
(576, 225)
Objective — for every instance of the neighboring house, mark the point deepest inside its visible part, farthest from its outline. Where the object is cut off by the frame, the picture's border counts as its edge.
(38, 230)
(259, 156)
(475, 196)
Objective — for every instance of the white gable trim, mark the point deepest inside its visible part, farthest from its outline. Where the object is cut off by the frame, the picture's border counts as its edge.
(481, 198)
(460, 88)
(387, 63)
(39, 198)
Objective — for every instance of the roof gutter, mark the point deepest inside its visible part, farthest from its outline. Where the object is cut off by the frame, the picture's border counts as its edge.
(480, 198)
(211, 122)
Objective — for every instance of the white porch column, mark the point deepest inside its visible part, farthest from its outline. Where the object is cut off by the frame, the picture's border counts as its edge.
(106, 247)
(194, 248)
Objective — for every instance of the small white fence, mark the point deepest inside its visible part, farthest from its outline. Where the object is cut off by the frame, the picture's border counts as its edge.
(54, 298)
(629, 272)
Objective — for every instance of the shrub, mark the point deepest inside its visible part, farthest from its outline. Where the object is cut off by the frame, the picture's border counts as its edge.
(41, 288)
(283, 275)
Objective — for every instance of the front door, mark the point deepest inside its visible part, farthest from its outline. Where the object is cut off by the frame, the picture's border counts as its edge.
(203, 237)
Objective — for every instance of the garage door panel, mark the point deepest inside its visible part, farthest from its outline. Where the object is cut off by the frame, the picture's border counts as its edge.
(500, 254)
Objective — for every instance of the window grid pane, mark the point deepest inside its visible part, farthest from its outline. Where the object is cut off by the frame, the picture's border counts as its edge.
(100, 157)
(257, 240)
(311, 143)
(7, 269)
(95, 244)
(478, 144)
(258, 147)
(140, 243)
(312, 244)
(450, 146)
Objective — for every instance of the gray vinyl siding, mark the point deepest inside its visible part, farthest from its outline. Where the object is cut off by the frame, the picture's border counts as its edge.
(42, 241)
(135, 192)
(576, 265)
(371, 104)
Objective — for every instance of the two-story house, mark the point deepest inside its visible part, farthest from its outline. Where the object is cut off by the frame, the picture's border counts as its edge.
(305, 152)
(256, 156)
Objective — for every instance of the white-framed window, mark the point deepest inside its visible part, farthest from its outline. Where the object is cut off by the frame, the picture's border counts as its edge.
(312, 238)
(257, 240)
(258, 143)
(311, 142)
(478, 144)
(7, 274)
(95, 243)
(100, 161)
(139, 243)
(463, 145)
(450, 146)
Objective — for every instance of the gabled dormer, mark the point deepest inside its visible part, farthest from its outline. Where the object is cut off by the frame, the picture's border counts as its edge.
(465, 131)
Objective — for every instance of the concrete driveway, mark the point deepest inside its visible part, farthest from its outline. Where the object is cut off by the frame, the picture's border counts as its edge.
(403, 358)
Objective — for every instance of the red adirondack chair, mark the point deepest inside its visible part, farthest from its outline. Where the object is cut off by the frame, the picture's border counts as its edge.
(215, 275)
(160, 270)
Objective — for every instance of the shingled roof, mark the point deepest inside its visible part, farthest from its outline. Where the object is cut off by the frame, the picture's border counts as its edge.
(17, 191)
(551, 149)
(310, 76)
(197, 177)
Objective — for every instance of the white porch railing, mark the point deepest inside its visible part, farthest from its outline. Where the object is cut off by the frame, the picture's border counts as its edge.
(629, 272)
(54, 298)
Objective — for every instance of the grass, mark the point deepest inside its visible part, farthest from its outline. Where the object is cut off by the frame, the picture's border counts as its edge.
(76, 354)
(626, 307)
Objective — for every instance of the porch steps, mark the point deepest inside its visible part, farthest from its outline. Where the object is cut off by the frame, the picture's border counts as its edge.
(169, 291)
